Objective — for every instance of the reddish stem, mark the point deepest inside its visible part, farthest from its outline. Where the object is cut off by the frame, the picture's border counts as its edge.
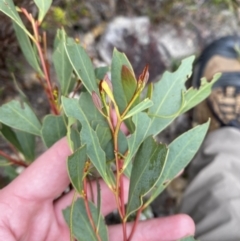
(122, 201)
(12, 160)
(44, 63)
(45, 68)
(135, 224)
(85, 198)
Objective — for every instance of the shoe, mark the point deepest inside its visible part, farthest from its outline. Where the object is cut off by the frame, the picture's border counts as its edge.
(223, 105)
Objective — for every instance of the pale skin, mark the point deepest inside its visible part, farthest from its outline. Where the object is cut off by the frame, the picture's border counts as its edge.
(29, 210)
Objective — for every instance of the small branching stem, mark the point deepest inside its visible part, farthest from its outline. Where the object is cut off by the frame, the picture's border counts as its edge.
(44, 67)
(119, 180)
(135, 96)
(71, 219)
(135, 224)
(85, 198)
(44, 63)
(13, 160)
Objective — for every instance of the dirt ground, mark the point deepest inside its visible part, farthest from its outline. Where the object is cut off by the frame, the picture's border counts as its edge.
(171, 30)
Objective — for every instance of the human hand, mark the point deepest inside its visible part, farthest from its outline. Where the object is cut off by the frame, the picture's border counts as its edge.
(29, 210)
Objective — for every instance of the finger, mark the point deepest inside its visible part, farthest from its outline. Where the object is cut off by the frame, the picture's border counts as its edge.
(160, 229)
(108, 199)
(47, 177)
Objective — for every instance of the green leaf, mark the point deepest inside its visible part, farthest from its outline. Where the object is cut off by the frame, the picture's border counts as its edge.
(53, 129)
(27, 48)
(181, 152)
(76, 163)
(189, 238)
(62, 64)
(101, 72)
(147, 168)
(119, 59)
(88, 136)
(75, 137)
(195, 96)
(168, 96)
(167, 93)
(22, 141)
(27, 142)
(10, 136)
(128, 170)
(104, 135)
(122, 146)
(82, 65)
(143, 105)
(73, 134)
(20, 116)
(142, 124)
(82, 228)
(4, 162)
(93, 115)
(129, 83)
(167, 101)
(8, 8)
(10, 172)
(43, 6)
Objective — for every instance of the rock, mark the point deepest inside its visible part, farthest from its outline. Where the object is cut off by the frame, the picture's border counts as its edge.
(134, 37)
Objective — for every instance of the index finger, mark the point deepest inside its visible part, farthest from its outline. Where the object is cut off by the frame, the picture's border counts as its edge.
(46, 177)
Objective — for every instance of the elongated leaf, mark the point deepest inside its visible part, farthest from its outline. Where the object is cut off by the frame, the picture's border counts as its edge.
(101, 72)
(20, 117)
(147, 168)
(119, 59)
(27, 142)
(88, 136)
(73, 134)
(10, 136)
(43, 6)
(140, 107)
(168, 96)
(167, 101)
(8, 8)
(27, 48)
(189, 238)
(195, 96)
(82, 65)
(122, 146)
(22, 141)
(62, 64)
(181, 152)
(167, 93)
(82, 229)
(76, 164)
(104, 135)
(53, 129)
(129, 83)
(90, 110)
(75, 137)
(142, 124)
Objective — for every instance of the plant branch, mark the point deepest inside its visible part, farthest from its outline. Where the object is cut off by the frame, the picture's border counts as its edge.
(45, 67)
(12, 160)
(85, 198)
(135, 224)
(119, 180)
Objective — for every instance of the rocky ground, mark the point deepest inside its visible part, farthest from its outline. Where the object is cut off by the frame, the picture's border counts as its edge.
(155, 32)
